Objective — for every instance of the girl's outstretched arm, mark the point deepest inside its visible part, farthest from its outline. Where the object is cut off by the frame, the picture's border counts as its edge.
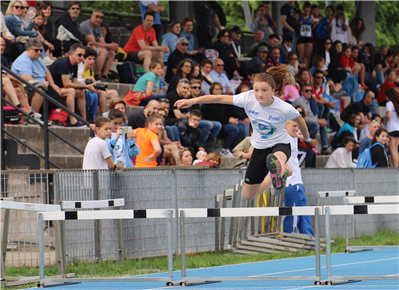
(207, 99)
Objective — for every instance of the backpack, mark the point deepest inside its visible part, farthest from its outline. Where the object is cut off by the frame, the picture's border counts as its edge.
(350, 85)
(365, 160)
(127, 72)
(91, 106)
(58, 115)
(11, 115)
(120, 55)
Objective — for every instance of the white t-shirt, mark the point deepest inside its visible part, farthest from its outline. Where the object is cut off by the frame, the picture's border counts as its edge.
(393, 122)
(293, 163)
(268, 122)
(337, 32)
(340, 159)
(96, 152)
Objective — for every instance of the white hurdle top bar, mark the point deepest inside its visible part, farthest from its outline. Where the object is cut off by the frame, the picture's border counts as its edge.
(224, 212)
(372, 199)
(92, 203)
(38, 207)
(338, 193)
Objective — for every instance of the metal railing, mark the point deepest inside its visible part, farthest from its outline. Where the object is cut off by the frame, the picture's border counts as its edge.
(46, 100)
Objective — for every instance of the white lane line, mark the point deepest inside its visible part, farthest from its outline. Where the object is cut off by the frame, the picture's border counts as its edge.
(340, 265)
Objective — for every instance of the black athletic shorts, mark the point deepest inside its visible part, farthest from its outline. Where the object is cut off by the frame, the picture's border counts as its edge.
(257, 169)
(304, 40)
(134, 56)
(394, 134)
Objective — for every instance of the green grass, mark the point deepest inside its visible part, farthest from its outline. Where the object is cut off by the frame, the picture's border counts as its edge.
(209, 259)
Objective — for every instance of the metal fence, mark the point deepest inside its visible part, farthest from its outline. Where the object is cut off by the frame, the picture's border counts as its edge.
(32, 187)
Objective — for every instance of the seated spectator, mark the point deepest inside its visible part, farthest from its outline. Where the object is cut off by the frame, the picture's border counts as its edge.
(236, 49)
(260, 23)
(324, 52)
(273, 57)
(65, 73)
(182, 91)
(244, 150)
(10, 53)
(342, 157)
(258, 36)
(214, 159)
(188, 25)
(308, 147)
(196, 73)
(218, 75)
(119, 104)
(185, 157)
(349, 128)
(183, 70)
(336, 73)
(274, 41)
(366, 142)
(380, 63)
(85, 72)
(91, 30)
(366, 57)
(108, 37)
(391, 120)
(209, 129)
(31, 68)
(346, 61)
(138, 118)
(201, 157)
(147, 86)
(379, 156)
(363, 108)
(248, 82)
(190, 134)
(67, 27)
(290, 91)
(176, 57)
(97, 155)
(355, 31)
(293, 63)
(207, 81)
(170, 148)
(223, 114)
(170, 38)
(225, 52)
(324, 106)
(318, 64)
(365, 131)
(314, 124)
(13, 20)
(142, 46)
(389, 83)
(52, 44)
(154, 7)
(285, 48)
(148, 142)
(258, 62)
(122, 146)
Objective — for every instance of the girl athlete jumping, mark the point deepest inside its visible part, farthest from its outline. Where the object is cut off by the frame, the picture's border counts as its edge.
(268, 115)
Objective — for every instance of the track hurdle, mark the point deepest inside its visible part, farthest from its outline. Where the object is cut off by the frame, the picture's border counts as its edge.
(365, 200)
(8, 204)
(92, 204)
(246, 212)
(352, 210)
(105, 215)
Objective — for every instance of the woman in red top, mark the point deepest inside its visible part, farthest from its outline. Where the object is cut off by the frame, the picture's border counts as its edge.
(389, 83)
(346, 61)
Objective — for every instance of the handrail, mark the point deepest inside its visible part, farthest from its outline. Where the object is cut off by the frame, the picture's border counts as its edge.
(46, 99)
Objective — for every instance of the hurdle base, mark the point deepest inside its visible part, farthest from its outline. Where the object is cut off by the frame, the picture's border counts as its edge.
(195, 283)
(357, 250)
(340, 282)
(47, 285)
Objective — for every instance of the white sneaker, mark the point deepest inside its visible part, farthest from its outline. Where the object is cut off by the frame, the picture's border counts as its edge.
(225, 152)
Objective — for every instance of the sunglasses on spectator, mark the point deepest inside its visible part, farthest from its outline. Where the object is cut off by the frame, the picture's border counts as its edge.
(226, 35)
(376, 121)
(164, 100)
(75, 8)
(37, 49)
(79, 54)
(195, 87)
(99, 16)
(220, 65)
(318, 77)
(300, 112)
(20, 7)
(293, 58)
(308, 91)
(184, 43)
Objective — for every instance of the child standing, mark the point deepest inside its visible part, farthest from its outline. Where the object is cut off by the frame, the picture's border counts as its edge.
(121, 145)
(97, 155)
(268, 115)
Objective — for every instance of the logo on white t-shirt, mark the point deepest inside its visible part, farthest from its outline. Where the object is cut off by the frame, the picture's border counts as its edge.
(265, 129)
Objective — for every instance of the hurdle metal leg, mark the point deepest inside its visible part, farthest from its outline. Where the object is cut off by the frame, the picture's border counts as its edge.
(328, 245)
(6, 225)
(170, 249)
(216, 227)
(41, 244)
(317, 233)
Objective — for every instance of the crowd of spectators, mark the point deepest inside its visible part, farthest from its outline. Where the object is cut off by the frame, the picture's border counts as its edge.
(311, 62)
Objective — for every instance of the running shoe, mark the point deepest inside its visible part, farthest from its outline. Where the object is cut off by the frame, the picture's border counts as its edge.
(275, 169)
